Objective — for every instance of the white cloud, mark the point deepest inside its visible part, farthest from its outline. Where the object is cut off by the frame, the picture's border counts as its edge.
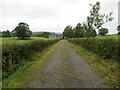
(51, 15)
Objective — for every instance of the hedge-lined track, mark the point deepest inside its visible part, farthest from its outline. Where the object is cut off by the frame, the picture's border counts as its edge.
(16, 53)
(65, 69)
(108, 48)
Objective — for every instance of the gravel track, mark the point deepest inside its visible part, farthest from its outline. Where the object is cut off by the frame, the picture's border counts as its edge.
(66, 69)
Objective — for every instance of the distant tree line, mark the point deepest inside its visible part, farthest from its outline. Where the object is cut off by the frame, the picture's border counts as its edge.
(41, 34)
(94, 22)
(5, 34)
(22, 31)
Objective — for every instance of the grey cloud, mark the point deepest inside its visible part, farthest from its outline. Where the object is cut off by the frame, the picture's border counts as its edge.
(50, 12)
(69, 1)
(14, 10)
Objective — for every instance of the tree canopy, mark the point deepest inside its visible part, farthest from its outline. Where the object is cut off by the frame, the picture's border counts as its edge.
(103, 31)
(22, 31)
(78, 31)
(6, 33)
(94, 22)
(118, 28)
(68, 32)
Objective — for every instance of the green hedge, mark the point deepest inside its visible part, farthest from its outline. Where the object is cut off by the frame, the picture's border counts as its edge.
(14, 54)
(107, 48)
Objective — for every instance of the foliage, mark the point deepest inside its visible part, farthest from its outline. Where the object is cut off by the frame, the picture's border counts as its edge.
(89, 32)
(78, 31)
(107, 48)
(45, 34)
(107, 69)
(94, 22)
(21, 77)
(68, 32)
(36, 35)
(42, 34)
(118, 28)
(96, 19)
(22, 31)
(103, 31)
(16, 54)
(6, 33)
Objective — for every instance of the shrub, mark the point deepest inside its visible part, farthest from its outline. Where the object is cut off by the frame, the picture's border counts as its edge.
(15, 54)
(107, 48)
(103, 31)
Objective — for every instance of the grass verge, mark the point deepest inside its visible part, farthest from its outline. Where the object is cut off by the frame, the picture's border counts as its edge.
(65, 67)
(108, 70)
(21, 77)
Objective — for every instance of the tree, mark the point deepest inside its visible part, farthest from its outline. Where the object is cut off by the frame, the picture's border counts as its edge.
(22, 31)
(68, 32)
(0, 34)
(96, 19)
(90, 28)
(46, 34)
(13, 33)
(103, 31)
(88, 31)
(78, 31)
(6, 33)
(118, 28)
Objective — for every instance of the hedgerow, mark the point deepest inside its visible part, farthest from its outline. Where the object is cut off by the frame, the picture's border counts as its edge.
(15, 54)
(107, 48)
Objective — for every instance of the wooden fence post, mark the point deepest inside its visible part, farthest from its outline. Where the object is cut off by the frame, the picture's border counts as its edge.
(10, 63)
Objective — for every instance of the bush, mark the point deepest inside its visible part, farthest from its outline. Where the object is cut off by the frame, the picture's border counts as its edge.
(15, 54)
(103, 31)
(108, 48)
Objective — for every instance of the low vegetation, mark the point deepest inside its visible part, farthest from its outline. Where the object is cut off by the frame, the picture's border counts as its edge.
(18, 52)
(101, 52)
(21, 77)
(107, 69)
(107, 48)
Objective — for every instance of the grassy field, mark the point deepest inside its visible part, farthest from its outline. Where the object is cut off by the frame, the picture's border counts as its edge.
(11, 39)
(109, 36)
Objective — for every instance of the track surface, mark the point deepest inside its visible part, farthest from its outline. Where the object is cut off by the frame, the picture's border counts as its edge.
(66, 69)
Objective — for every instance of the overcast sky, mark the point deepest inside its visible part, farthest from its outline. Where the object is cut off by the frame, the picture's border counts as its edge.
(52, 15)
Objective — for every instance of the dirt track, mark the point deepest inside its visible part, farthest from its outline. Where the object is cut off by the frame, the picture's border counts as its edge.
(66, 69)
